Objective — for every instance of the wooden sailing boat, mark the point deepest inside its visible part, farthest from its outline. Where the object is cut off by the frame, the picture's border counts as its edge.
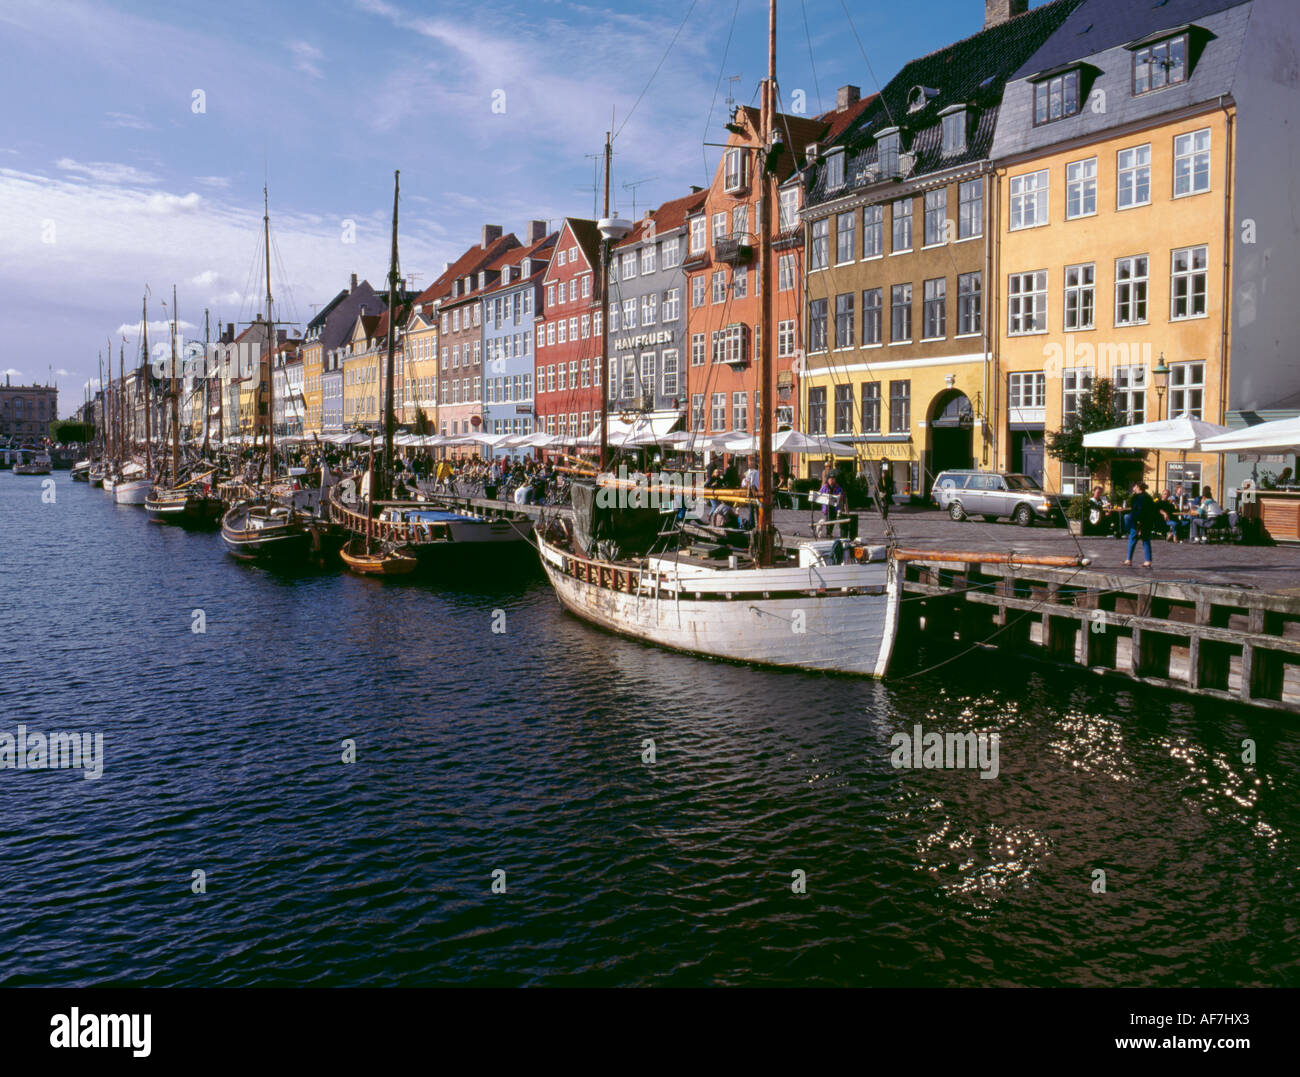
(132, 482)
(261, 529)
(388, 559)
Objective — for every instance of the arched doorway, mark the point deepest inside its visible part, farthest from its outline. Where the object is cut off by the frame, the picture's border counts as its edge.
(952, 424)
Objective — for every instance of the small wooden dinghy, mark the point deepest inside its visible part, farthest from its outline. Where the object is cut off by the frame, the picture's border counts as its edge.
(387, 560)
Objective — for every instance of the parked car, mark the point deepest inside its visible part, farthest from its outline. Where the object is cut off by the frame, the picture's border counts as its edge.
(993, 495)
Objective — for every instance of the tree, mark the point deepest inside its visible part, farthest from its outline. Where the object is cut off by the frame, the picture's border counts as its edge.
(422, 424)
(1098, 410)
(68, 432)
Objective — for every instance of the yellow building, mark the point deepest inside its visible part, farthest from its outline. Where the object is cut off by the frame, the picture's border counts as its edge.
(361, 381)
(419, 378)
(313, 359)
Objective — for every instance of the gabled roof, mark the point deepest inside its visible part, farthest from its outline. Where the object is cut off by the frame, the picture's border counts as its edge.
(318, 322)
(468, 264)
(539, 252)
(972, 72)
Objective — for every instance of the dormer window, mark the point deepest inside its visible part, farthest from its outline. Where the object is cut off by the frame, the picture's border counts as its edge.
(954, 131)
(1160, 64)
(1056, 97)
(526, 268)
(919, 96)
(835, 170)
(888, 145)
(482, 278)
(735, 170)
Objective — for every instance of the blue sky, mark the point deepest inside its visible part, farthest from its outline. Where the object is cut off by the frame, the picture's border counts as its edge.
(110, 178)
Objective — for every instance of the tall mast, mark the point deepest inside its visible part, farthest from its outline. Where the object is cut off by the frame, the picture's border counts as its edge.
(148, 405)
(604, 321)
(389, 415)
(221, 389)
(766, 413)
(207, 385)
(270, 338)
(121, 389)
(104, 395)
(176, 402)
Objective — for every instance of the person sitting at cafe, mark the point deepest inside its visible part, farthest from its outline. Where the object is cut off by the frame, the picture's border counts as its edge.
(1207, 514)
(1168, 510)
(1103, 516)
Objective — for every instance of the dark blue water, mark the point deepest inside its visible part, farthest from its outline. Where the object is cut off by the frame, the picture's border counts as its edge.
(521, 752)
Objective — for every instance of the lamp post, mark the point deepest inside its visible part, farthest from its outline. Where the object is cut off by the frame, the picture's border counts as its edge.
(1161, 374)
(611, 229)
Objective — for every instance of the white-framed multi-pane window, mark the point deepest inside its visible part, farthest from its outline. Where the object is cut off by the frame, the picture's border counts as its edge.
(900, 313)
(785, 273)
(1130, 384)
(1080, 296)
(649, 308)
(699, 289)
(1029, 202)
(901, 215)
(871, 407)
(936, 216)
(672, 255)
(872, 315)
(934, 309)
(819, 250)
(739, 411)
(698, 349)
(969, 303)
(1076, 383)
(970, 209)
(1189, 278)
(1187, 390)
(697, 411)
(785, 337)
(844, 320)
(846, 237)
(1131, 278)
(873, 231)
(789, 209)
(720, 286)
(1192, 163)
(719, 226)
(648, 259)
(672, 308)
(668, 369)
(648, 374)
(740, 282)
(1027, 302)
(1133, 180)
(718, 411)
(1081, 188)
(1027, 390)
(698, 234)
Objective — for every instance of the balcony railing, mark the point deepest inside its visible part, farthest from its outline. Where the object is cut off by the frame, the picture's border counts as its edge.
(735, 249)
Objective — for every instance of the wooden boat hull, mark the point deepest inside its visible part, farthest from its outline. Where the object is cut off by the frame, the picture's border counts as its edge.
(132, 492)
(193, 511)
(379, 564)
(282, 542)
(840, 618)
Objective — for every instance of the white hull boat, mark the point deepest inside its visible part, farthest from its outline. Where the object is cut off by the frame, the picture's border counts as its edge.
(131, 492)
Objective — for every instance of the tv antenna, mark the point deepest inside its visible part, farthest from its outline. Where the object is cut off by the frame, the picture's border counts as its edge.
(633, 186)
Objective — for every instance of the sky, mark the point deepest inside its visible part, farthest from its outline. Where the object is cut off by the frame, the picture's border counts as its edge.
(137, 137)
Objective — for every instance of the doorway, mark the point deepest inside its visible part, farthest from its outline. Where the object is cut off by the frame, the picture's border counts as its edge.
(952, 422)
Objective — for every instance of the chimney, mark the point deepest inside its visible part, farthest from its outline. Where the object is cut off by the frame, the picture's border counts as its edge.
(997, 12)
(846, 96)
(353, 288)
(536, 231)
(230, 331)
(491, 233)
(695, 189)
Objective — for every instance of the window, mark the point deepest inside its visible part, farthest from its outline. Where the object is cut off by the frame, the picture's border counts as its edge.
(1186, 390)
(550, 379)
(936, 214)
(719, 226)
(1056, 98)
(789, 211)
(900, 319)
(1133, 186)
(1027, 390)
(817, 325)
(1187, 293)
(1029, 200)
(819, 255)
(740, 282)
(835, 170)
(739, 411)
(1027, 302)
(1131, 290)
(697, 291)
(672, 255)
(559, 258)
(902, 218)
(629, 265)
(629, 378)
(586, 326)
(873, 231)
(672, 309)
(720, 286)
(817, 410)
(969, 303)
(561, 378)
(1192, 163)
(970, 209)
(871, 407)
(1080, 296)
(586, 290)
(846, 235)
(718, 411)
(586, 373)
(613, 318)
(561, 332)
(668, 370)
(734, 170)
(1076, 382)
(649, 305)
(785, 339)
(934, 312)
(1081, 188)
(900, 407)
(573, 290)
(697, 234)
(1131, 393)
(550, 332)
(872, 301)
(844, 409)
(648, 374)
(844, 320)
(697, 349)
(740, 220)
(595, 324)
(697, 411)
(785, 272)
(629, 313)
(954, 132)
(648, 257)
(1160, 65)
(887, 147)
(729, 345)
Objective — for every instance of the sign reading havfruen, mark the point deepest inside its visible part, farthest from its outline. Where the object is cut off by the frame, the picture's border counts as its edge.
(645, 340)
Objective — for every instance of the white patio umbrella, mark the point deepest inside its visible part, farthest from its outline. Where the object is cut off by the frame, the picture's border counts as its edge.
(1183, 434)
(1281, 436)
(792, 441)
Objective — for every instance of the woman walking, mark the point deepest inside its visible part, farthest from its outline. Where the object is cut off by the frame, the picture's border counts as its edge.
(1142, 515)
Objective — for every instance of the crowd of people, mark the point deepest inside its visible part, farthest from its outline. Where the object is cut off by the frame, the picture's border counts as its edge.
(1175, 516)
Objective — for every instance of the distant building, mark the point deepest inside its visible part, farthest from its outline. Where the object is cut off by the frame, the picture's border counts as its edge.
(26, 411)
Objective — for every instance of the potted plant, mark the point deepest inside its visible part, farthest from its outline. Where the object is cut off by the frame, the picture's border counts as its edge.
(1074, 509)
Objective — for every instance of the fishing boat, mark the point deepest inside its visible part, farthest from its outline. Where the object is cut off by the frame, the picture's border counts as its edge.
(96, 476)
(81, 470)
(386, 560)
(254, 531)
(37, 463)
(131, 485)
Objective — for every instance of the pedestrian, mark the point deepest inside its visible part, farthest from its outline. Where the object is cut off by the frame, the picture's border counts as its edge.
(1142, 519)
(886, 490)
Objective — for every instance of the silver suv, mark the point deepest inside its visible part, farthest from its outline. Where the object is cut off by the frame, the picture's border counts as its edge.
(994, 494)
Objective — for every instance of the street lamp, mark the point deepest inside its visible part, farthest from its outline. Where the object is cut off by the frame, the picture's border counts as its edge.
(1161, 374)
(612, 229)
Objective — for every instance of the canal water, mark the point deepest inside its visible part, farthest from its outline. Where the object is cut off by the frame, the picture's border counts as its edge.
(519, 760)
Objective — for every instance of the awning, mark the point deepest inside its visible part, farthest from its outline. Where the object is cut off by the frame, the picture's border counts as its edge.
(646, 428)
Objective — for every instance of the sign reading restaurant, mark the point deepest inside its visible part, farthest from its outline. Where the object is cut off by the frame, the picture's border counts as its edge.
(644, 340)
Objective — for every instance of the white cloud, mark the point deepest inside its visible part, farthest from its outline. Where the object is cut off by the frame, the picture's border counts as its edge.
(126, 119)
(169, 203)
(206, 279)
(106, 171)
(306, 58)
(12, 373)
(221, 182)
(63, 373)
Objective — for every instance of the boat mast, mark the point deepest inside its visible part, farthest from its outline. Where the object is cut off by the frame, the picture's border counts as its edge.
(103, 454)
(176, 401)
(766, 414)
(121, 390)
(389, 414)
(207, 386)
(148, 405)
(604, 322)
(221, 391)
(270, 337)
